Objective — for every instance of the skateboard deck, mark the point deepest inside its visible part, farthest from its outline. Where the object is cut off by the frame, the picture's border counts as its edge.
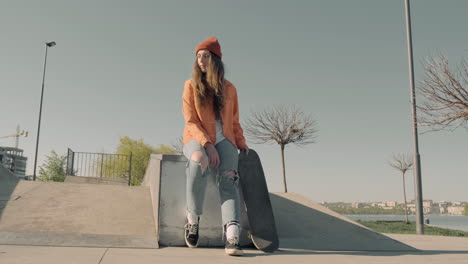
(262, 227)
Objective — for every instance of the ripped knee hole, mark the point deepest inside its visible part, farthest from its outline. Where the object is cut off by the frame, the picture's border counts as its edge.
(203, 163)
(231, 173)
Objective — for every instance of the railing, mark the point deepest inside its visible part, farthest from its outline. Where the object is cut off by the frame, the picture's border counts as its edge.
(113, 167)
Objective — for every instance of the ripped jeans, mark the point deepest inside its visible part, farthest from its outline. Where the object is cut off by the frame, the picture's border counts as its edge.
(227, 181)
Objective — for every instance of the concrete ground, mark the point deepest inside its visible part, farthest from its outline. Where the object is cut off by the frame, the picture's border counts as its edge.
(430, 249)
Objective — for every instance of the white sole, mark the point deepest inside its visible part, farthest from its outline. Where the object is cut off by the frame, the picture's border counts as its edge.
(234, 252)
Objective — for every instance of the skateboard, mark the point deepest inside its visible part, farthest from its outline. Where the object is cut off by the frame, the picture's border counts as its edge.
(262, 227)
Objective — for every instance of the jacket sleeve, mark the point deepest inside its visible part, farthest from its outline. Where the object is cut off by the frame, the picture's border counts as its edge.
(238, 131)
(192, 122)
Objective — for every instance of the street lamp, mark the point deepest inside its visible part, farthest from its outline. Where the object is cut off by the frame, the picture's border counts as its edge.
(416, 157)
(48, 45)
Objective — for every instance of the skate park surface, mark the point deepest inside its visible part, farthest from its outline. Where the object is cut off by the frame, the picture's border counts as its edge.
(77, 223)
(430, 250)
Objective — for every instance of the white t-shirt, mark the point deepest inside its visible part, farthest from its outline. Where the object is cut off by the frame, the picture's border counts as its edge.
(219, 131)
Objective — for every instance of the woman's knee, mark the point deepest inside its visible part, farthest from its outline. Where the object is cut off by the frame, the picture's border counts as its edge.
(231, 173)
(201, 158)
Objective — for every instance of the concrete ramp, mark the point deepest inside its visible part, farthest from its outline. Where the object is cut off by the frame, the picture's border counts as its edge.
(8, 182)
(7, 176)
(303, 224)
(66, 214)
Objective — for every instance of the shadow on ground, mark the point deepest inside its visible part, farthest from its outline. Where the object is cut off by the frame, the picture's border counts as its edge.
(361, 253)
(251, 252)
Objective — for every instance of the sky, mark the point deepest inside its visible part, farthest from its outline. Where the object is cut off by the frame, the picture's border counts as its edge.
(119, 67)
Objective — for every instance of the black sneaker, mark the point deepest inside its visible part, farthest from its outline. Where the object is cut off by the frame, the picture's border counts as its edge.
(191, 235)
(232, 248)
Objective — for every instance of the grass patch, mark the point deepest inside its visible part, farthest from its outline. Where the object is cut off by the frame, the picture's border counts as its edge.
(400, 227)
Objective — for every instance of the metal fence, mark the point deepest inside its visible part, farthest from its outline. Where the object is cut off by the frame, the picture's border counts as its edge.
(114, 167)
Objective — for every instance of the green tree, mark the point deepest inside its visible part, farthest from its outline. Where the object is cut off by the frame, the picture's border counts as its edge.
(466, 209)
(54, 168)
(141, 153)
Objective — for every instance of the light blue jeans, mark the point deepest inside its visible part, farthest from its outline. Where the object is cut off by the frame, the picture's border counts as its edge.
(228, 185)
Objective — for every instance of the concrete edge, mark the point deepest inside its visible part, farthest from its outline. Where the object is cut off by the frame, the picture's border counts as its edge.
(76, 240)
(153, 182)
(166, 157)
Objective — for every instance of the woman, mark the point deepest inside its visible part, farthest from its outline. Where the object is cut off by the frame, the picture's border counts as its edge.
(212, 135)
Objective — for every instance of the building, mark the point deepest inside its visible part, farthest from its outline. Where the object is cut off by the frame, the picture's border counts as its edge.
(443, 207)
(427, 206)
(391, 203)
(455, 210)
(412, 208)
(356, 205)
(427, 203)
(13, 160)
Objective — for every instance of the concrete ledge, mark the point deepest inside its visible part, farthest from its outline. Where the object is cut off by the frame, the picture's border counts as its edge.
(94, 180)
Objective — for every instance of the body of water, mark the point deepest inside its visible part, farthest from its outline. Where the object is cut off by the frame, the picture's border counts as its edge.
(448, 221)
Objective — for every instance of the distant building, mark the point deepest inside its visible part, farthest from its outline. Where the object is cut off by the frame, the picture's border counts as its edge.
(455, 210)
(427, 203)
(443, 207)
(427, 206)
(443, 204)
(412, 207)
(356, 205)
(13, 160)
(391, 203)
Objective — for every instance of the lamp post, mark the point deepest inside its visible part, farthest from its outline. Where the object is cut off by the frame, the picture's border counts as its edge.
(416, 157)
(48, 45)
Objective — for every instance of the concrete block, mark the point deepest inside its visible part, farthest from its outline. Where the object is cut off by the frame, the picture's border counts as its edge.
(165, 175)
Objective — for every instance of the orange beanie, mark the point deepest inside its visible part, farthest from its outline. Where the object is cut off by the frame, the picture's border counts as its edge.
(210, 44)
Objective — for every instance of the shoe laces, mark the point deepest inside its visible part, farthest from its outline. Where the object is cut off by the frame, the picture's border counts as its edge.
(193, 229)
(233, 240)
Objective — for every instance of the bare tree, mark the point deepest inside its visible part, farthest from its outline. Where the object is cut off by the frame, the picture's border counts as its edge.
(281, 125)
(403, 163)
(445, 95)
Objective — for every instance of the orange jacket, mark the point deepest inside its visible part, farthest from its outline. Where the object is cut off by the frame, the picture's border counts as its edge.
(200, 122)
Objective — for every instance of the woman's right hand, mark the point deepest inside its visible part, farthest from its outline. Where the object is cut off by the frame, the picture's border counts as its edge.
(213, 156)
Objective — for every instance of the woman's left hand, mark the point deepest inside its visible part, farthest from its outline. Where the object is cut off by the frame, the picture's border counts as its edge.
(246, 149)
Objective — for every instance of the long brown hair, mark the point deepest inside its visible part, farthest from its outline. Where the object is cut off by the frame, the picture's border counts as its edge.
(210, 83)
